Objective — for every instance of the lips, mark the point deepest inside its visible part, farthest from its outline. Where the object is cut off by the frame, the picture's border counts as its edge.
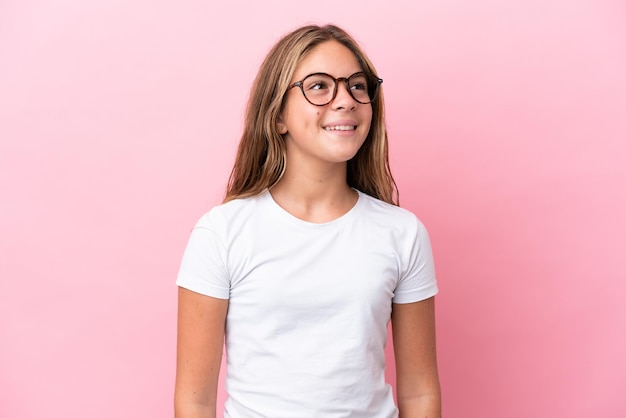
(340, 125)
(340, 128)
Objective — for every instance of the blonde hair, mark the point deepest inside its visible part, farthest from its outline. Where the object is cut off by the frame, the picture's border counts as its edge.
(260, 160)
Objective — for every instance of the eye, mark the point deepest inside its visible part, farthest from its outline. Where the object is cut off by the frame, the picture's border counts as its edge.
(358, 86)
(319, 83)
(358, 83)
(316, 84)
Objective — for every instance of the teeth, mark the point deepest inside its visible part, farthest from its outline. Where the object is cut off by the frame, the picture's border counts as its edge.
(340, 128)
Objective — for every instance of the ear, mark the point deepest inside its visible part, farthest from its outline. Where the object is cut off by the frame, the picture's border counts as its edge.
(280, 125)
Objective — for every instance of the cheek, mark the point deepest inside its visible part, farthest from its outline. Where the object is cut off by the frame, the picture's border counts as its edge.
(368, 116)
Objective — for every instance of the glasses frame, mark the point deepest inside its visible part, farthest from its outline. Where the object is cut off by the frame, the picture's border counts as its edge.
(371, 78)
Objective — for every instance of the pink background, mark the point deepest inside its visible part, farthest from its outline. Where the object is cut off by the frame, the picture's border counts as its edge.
(118, 124)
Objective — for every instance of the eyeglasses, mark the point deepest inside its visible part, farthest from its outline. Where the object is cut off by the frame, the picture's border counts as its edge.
(319, 89)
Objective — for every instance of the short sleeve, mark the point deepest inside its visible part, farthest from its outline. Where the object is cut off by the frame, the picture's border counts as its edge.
(203, 268)
(417, 275)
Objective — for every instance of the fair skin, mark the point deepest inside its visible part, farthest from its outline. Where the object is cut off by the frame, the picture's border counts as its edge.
(201, 321)
(417, 379)
(313, 188)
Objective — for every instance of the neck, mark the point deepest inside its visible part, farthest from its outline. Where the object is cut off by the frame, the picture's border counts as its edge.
(315, 194)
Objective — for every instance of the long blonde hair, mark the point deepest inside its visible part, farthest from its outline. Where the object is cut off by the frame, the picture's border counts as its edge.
(260, 160)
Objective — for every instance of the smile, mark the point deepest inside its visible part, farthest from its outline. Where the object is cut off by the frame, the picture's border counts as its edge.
(340, 128)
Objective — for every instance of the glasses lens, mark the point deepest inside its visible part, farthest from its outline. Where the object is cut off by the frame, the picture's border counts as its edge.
(318, 88)
(360, 89)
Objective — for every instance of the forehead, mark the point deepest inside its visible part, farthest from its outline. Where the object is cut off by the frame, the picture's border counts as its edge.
(329, 57)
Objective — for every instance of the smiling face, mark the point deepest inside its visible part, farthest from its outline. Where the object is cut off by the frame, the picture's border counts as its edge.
(324, 134)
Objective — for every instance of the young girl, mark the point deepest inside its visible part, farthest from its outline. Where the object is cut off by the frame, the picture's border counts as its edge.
(309, 257)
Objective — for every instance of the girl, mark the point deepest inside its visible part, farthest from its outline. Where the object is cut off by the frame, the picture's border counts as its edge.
(309, 257)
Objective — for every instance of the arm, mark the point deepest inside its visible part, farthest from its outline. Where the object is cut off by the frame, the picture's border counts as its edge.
(201, 322)
(417, 379)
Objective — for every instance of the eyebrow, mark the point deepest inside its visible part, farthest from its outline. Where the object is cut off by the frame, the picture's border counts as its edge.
(330, 74)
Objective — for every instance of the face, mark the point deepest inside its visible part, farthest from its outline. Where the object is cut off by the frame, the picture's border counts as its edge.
(326, 134)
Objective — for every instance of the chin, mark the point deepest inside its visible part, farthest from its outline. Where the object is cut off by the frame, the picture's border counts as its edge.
(343, 157)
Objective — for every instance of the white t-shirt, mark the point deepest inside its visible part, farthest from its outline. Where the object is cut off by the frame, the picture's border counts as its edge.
(309, 303)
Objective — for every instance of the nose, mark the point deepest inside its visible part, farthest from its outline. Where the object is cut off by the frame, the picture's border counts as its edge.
(343, 99)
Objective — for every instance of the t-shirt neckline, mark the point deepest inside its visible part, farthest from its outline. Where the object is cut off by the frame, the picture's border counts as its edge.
(288, 217)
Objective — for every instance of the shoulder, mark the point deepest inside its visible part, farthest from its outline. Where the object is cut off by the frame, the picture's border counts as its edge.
(227, 216)
(393, 216)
